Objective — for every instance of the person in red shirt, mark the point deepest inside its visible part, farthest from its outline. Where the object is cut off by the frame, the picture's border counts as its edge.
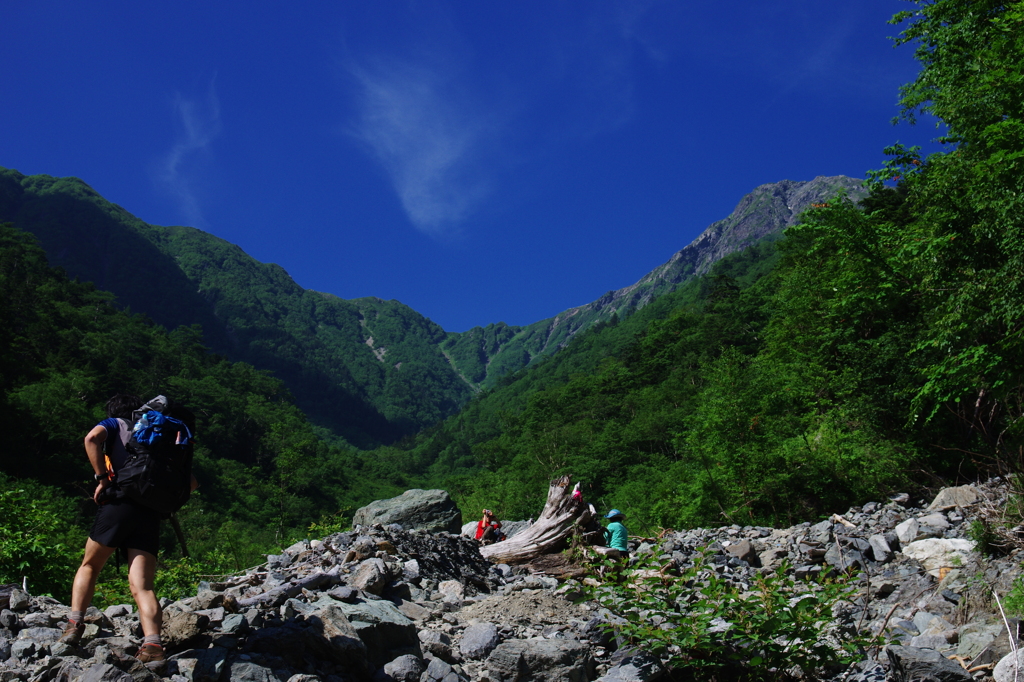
(487, 528)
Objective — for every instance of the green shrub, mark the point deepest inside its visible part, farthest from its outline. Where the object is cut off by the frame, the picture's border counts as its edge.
(175, 579)
(985, 538)
(40, 540)
(1013, 601)
(713, 630)
(331, 523)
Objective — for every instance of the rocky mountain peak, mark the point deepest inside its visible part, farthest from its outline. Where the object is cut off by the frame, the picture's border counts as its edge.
(764, 213)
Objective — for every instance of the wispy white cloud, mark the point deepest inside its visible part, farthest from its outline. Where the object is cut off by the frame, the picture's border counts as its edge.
(445, 127)
(198, 121)
(429, 137)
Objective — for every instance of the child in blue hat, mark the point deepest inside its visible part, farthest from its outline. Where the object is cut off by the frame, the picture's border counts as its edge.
(615, 535)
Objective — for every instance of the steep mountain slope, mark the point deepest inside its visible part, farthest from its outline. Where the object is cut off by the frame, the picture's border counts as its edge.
(485, 354)
(368, 370)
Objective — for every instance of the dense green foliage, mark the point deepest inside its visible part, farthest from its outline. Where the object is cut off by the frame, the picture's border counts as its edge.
(64, 349)
(962, 250)
(778, 629)
(38, 536)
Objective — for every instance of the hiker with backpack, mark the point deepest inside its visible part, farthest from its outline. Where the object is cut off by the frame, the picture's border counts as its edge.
(141, 457)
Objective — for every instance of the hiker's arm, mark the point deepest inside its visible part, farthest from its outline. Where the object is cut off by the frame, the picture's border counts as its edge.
(193, 484)
(94, 451)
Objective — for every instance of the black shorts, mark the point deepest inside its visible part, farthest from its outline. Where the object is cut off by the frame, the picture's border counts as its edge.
(127, 525)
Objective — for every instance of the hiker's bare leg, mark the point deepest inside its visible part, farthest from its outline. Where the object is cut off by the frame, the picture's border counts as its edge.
(88, 573)
(141, 571)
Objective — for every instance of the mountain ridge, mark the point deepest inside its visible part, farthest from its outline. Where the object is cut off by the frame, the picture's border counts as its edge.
(369, 371)
(762, 214)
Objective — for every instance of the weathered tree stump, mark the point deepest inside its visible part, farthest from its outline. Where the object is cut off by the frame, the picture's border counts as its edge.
(561, 515)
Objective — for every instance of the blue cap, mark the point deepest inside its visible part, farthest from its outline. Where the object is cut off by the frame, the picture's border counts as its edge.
(613, 513)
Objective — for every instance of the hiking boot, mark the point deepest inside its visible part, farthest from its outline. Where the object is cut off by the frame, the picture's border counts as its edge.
(72, 634)
(150, 652)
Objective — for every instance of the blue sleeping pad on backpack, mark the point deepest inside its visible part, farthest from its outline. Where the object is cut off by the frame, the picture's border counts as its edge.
(158, 473)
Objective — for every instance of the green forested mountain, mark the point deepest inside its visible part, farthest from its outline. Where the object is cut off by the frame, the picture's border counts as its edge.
(366, 370)
(884, 349)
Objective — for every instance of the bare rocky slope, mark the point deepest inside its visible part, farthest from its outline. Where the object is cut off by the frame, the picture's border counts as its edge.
(762, 214)
(383, 603)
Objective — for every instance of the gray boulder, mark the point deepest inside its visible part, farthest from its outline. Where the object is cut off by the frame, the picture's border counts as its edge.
(510, 528)
(234, 624)
(40, 635)
(334, 637)
(18, 600)
(960, 496)
(437, 644)
(117, 611)
(452, 591)
(540, 660)
(478, 640)
(371, 576)
(910, 664)
(974, 638)
(5, 594)
(999, 647)
(908, 531)
(937, 521)
(428, 510)
(199, 665)
(1010, 668)
(105, 673)
(880, 548)
(385, 631)
(634, 666)
(439, 671)
(407, 668)
(847, 552)
(38, 620)
(246, 671)
(743, 551)
(939, 642)
(24, 650)
(180, 628)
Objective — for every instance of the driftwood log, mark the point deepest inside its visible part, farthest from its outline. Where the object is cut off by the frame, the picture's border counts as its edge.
(561, 516)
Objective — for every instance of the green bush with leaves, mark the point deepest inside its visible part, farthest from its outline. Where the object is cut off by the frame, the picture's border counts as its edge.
(39, 541)
(711, 629)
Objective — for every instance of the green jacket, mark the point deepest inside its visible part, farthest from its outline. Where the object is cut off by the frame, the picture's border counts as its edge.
(616, 536)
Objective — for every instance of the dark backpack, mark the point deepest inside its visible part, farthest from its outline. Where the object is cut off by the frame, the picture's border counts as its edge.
(158, 472)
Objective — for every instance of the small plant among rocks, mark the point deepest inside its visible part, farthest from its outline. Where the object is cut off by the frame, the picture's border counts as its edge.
(710, 628)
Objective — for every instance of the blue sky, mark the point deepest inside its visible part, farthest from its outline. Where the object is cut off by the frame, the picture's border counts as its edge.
(480, 162)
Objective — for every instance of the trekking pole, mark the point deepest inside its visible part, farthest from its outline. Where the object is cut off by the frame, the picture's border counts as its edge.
(178, 534)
